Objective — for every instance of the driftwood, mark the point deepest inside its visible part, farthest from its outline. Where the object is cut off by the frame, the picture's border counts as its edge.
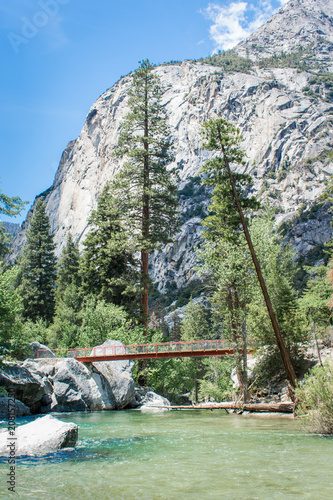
(254, 407)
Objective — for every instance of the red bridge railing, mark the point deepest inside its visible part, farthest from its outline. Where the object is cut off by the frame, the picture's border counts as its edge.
(220, 347)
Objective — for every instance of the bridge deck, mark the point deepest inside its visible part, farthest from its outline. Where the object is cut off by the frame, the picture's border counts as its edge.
(219, 347)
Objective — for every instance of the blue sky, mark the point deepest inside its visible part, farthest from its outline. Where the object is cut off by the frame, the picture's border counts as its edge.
(58, 56)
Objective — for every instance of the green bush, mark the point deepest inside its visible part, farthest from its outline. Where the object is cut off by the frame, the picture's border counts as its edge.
(316, 399)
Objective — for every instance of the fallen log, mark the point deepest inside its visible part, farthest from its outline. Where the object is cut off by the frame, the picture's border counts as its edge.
(252, 407)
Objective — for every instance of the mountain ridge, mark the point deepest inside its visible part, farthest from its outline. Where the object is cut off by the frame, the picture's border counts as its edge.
(287, 135)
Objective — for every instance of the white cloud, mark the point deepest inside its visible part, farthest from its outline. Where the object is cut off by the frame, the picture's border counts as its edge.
(237, 20)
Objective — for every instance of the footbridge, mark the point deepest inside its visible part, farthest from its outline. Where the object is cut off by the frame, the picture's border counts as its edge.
(220, 347)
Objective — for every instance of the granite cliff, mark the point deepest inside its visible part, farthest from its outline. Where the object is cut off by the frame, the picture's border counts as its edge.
(283, 103)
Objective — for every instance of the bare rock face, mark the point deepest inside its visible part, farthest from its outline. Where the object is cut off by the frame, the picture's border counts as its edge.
(40, 437)
(287, 134)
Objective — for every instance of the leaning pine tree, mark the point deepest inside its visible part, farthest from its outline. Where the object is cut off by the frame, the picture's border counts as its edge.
(223, 137)
(38, 268)
(146, 188)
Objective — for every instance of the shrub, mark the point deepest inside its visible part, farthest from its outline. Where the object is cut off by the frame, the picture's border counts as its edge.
(316, 399)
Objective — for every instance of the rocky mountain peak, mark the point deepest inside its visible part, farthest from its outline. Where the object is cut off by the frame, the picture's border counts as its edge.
(299, 25)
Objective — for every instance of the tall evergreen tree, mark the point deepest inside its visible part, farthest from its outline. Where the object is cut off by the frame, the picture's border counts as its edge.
(108, 267)
(145, 188)
(64, 331)
(38, 267)
(68, 266)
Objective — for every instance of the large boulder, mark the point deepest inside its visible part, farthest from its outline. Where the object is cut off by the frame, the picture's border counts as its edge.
(6, 407)
(29, 385)
(115, 377)
(40, 437)
(65, 384)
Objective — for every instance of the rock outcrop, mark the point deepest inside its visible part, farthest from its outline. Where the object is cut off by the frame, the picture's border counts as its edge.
(7, 407)
(284, 114)
(65, 384)
(42, 436)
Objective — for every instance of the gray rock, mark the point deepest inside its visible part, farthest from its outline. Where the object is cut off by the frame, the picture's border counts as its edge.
(41, 351)
(28, 386)
(40, 437)
(115, 378)
(21, 410)
(154, 402)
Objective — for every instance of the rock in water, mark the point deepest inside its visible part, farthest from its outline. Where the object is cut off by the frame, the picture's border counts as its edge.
(27, 382)
(21, 410)
(40, 437)
(65, 384)
(154, 402)
(115, 377)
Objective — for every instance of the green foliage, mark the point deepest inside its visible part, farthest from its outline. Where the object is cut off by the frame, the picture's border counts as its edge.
(323, 83)
(196, 324)
(276, 261)
(169, 377)
(301, 60)
(11, 307)
(35, 331)
(314, 302)
(225, 223)
(145, 189)
(315, 399)
(68, 266)
(102, 321)
(10, 206)
(38, 268)
(65, 329)
(217, 384)
(108, 266)
(229, 61)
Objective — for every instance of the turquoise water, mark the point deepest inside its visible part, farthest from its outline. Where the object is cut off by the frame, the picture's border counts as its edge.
(180, 455)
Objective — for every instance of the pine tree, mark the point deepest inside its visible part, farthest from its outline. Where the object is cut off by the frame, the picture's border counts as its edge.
(221, 136)
(64, 331)
(108, 267)
(68, 266)
(146, 190)
(38, 267)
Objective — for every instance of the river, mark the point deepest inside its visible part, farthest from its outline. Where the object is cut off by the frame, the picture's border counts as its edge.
(195, 455)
